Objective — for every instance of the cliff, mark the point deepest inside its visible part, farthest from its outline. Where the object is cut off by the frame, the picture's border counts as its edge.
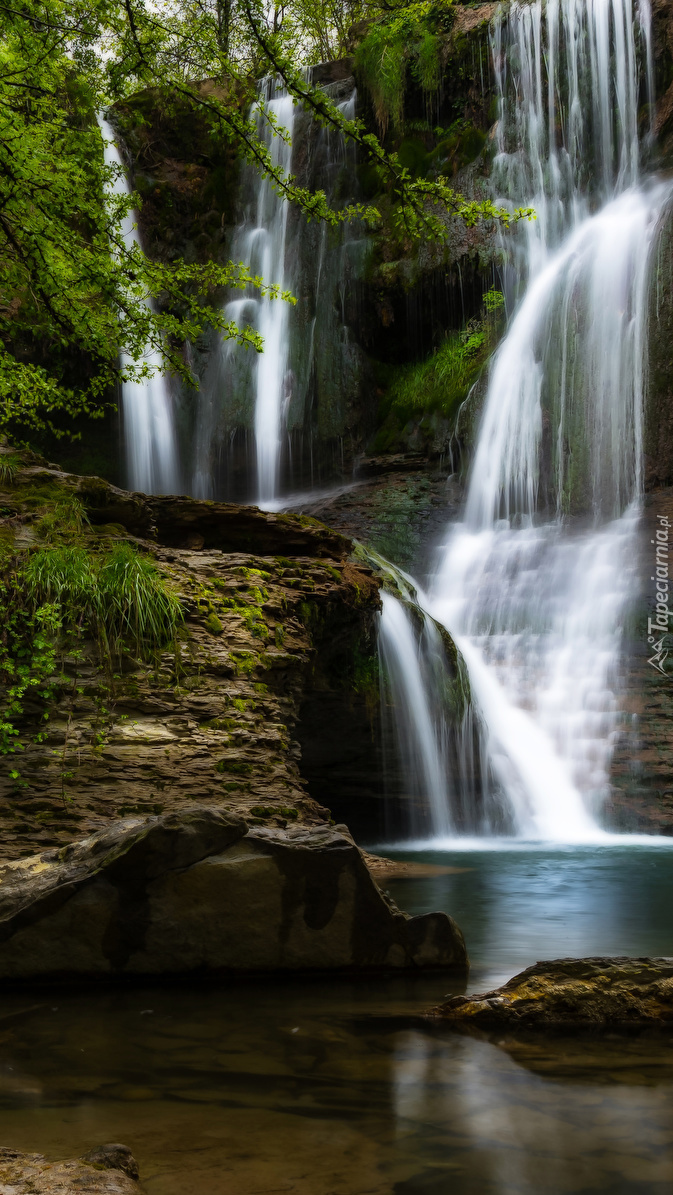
(275, 619)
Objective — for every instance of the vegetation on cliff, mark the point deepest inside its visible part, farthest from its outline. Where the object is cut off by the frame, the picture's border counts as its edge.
(442, 381)
(75, 296)
(158, 650)
(407, 40)
(62, 588)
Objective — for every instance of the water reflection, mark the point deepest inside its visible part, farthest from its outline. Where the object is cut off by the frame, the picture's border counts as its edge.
(606, 1126)
(338, 1088)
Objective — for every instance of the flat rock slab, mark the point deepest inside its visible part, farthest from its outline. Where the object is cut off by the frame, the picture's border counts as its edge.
(197, 893)
(108, 1170)
(619, 992)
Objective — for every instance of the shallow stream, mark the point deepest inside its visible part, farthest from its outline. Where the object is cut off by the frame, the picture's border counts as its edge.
(332, 1087)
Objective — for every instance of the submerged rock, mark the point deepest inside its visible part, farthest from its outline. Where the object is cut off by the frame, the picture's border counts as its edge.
(573, 992)
(198, 892)
(107, 1170)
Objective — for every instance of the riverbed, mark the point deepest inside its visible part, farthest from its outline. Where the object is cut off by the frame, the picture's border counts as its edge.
(335, 1087)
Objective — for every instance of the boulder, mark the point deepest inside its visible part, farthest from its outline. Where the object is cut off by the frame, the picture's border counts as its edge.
(199, 892)
(107, 1170)
(573, 992)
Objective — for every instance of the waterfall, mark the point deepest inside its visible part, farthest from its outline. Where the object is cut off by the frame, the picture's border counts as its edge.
(147, 409)
(431, 733)
(406, 655)
(262, 245)
(536, 581)
(308, 364)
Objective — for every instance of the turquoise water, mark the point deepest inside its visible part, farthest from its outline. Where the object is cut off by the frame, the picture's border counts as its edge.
(518, 905)
(327, 1087)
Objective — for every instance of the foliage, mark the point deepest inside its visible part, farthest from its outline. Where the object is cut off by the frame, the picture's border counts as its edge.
(10, 464)
(27, 655)
(53, 596)
(443, 380)
(408, 38)
(69, 285)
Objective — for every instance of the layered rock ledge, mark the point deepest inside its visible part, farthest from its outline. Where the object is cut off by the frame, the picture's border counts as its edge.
(275, 662)
(600, 992)
(202, 893)
(107, 1170)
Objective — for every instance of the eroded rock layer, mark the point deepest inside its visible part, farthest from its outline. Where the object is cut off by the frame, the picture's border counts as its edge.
(200, 893)
(277, 618)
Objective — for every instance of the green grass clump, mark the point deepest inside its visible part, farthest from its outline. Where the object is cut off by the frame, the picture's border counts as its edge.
(118, 595)
(135, 601)
(64, 521)
(10, 464)
(441, 382)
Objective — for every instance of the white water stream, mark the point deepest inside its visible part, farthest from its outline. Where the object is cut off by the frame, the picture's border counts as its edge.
(536, 581)
(305, 371)
(262, 247)
(260, 242)
(147, 409)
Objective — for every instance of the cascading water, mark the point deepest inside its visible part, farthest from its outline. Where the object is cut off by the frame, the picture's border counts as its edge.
(407, 654)
(535, 583)
(427, 717)
(263, 246)
(309, 368)
(149, 434)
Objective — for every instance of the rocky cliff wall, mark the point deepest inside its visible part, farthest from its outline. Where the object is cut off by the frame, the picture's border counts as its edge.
(277, 620)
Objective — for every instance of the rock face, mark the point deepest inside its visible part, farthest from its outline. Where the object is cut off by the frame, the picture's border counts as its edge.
(570, 992)
(108, 1170)
(277, 620)
(201, 893)
(641, 773)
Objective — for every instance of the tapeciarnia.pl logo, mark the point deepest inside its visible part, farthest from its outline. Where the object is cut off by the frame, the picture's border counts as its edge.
(658, 625)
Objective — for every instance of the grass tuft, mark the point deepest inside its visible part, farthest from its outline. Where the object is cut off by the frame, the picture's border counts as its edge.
(135, 601)
(120, 594)
(10, 464)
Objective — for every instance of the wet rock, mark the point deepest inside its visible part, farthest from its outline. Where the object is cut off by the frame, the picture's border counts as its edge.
(641, 768)
(592, 992)
(107, 1170)
(113, 1157)
(200, 893)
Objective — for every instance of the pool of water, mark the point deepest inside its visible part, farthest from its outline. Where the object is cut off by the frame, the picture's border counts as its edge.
(327, 1087)
(519, 904)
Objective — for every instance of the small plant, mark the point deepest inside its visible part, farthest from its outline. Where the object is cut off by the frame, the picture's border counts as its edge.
(64, 521)
(214, 624)
(55, 594)
(135, 602)
(10, 464)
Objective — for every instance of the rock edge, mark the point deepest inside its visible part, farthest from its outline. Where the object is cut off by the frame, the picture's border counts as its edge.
(200, 893)
(599, 992)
